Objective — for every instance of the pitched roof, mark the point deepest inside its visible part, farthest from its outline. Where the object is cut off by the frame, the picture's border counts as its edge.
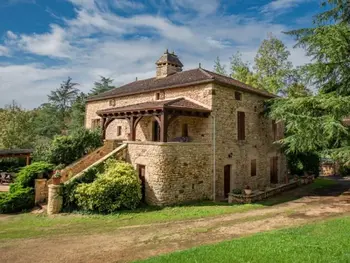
(180, 79)
(169, 58)
(179, 103)
(15, 151)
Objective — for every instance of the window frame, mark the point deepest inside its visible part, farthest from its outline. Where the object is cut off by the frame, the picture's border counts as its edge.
(238, 95)
(241, 133)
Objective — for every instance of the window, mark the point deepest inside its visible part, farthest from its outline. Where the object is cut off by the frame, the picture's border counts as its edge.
(119, 130)
(157, 96)
(95, 124)
(241, 125)
(253, 167)
(155, 131)
(274, 130)
(112, 103)
(184, 130)
(238, 95)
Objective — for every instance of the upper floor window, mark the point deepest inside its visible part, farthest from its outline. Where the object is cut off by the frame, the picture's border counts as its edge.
(157, 96)
(240, 125)
(119, 130)
(238, 95)
(184, 130)
(253, 167)
(112, 102)
(95, 124)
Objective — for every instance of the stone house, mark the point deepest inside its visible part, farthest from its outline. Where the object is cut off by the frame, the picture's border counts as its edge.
(191, 134)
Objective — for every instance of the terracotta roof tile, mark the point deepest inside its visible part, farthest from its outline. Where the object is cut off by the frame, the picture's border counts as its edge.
(180, 79)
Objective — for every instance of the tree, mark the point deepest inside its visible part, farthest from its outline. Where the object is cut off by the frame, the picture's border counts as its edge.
(16, 129)
(77, 115)
(64, 96)
(102, 86)
(315, 123)
(241, 71)
(218, 68)
(272, 65)
(47, 121)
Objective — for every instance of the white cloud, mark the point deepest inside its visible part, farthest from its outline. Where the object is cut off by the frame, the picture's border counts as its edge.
(4, 51)
(128, 4)
(52, 44)
(204, 7)
(11, 35)
(280, 6)
(98, 41)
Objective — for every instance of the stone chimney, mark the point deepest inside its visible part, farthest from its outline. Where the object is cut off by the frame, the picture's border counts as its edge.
(168, 64)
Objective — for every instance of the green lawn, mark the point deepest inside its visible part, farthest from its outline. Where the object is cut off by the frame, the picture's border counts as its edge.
(28, 225)
(322, 242)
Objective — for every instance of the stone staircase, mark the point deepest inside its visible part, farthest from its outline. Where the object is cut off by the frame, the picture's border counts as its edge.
(86, 161)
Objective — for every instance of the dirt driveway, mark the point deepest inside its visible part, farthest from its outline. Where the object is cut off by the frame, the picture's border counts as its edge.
(138, 242)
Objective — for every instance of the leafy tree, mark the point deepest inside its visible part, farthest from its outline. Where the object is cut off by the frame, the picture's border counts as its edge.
(16, 129)
(218, 68)
(316, 123)
(64, 97)
(77, 115)
(240, 70)
(272, 65)
(47, 120)
(102, 86)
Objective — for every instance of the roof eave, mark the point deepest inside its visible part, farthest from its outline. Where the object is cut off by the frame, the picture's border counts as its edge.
(206, 81)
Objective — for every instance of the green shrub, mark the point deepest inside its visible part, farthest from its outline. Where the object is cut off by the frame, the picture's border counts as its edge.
(69, 200)
(17, 201)
(27, 175)
(116, 188)
(68, 149)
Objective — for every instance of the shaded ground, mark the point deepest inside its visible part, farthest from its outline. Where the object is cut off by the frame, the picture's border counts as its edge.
(137, 242)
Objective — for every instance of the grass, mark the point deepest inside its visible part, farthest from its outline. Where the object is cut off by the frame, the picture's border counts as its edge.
(32, 226)
(322, 242)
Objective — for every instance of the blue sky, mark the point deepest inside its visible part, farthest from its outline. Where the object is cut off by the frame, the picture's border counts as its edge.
(42, 42)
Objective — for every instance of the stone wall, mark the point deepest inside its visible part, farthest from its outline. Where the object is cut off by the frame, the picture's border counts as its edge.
(41, 191)
(257, 145)
(202, 94)
(175, 172)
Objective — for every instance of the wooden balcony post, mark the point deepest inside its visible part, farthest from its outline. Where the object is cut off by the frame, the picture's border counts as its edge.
(103, 125)
(164, 127)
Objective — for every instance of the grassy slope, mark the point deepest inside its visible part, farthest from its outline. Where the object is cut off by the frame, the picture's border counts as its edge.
(30, 225)
(322, 242)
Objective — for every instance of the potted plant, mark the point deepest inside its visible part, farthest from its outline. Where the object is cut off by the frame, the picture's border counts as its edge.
(56, 178)
(247, 190)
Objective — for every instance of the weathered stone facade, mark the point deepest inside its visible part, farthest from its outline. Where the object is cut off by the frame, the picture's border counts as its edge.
(215, 158)
(41, 191)
(175, 172)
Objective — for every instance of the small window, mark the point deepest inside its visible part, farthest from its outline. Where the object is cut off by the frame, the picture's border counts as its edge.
(112, 102)
(119, 130)
(95, 124)
(238, 95)
(184, 130)
(157, 96)
(253, 167)
(241, 125)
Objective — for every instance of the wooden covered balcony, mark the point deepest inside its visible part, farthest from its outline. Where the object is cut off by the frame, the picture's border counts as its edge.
(164, 113)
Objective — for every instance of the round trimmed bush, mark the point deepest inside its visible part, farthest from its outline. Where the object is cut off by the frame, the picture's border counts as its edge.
(118, 187)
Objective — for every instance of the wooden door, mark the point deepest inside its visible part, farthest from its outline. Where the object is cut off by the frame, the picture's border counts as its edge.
(227, 180)
(142, 176)
(274, 170)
